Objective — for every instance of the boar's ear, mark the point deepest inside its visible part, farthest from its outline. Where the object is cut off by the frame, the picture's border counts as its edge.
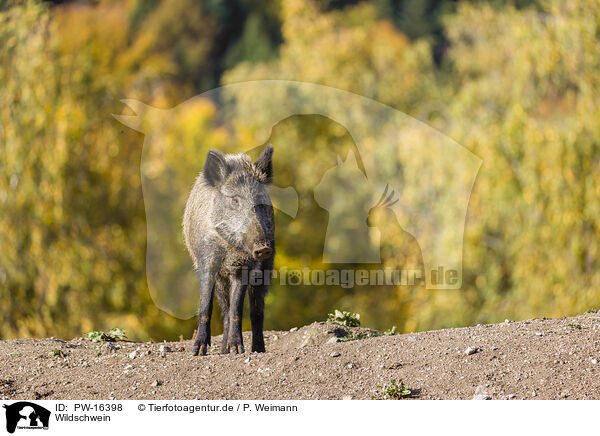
(215, 168)
(264, 165)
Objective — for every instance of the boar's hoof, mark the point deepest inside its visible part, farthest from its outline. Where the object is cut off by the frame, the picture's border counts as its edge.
(199, 349)
(224, 348)
(237, 349)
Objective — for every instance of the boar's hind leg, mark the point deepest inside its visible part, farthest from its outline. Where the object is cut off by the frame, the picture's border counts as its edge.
(236, 309)
(225, 341)
(256, 295)
(206, 276)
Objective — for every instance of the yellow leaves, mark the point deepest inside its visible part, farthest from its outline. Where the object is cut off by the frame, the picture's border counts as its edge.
(190, 122)
(410, 326)
(142, 51)
(79, 28)
(525, 75)
(371, 59)
(568, 175)
(301, 18)
(520, 88)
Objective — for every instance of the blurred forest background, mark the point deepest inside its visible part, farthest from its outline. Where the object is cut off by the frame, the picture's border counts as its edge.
(517, 83)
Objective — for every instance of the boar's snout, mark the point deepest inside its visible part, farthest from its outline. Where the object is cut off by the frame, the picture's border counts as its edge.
(262, 251)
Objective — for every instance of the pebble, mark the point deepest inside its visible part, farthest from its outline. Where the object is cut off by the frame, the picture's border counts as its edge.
(594, 361)
(247, 359)
(332, 340)
(164, 349)
(481, 393)
(156, 383)
(293, 329)
(235, 384)
(335, 354)
(133, 355)
(471, 350)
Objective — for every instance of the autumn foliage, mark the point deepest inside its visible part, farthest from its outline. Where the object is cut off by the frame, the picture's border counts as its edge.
(517, 85)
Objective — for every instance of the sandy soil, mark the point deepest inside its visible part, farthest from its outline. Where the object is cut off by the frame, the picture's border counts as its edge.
(535, 359)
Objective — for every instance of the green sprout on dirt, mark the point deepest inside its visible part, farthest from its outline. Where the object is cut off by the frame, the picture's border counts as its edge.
(349, 319)
(56, 353)
(113, 335)
(575, 326)
(391, 332)
(346, 319)
(396, 390)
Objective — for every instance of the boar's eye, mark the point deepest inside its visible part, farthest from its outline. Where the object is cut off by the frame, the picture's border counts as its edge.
(234, 202)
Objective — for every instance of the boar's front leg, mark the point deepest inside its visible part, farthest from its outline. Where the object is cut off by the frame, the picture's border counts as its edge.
(236, 309)
(256, 297)
(202, 340)
(222, 296)
(206, 277)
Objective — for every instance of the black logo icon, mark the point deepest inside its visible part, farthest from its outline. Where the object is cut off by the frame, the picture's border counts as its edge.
(24, 414)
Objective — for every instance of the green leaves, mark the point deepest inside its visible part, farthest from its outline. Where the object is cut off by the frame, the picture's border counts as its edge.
(56, 353)
(347, 319)
(391, 332)
(396, 390)
(115, 334)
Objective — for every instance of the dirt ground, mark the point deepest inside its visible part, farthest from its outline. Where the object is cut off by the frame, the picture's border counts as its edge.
(535, 359)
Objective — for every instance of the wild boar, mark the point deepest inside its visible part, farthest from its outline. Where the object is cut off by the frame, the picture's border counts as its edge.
(229, 230)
